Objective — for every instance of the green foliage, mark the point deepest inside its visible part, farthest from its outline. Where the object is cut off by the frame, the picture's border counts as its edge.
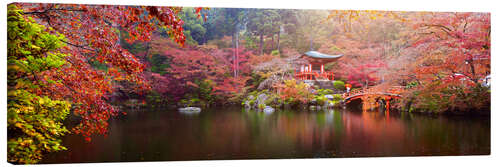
(324, 91)
(257, 78)
(320, 99)
(156, 98)
(339, 85)
(34, 121)
(201, 95)
(189, 38)
(205, 90)
(254, 94)
(250, 42)
(337, 98)
(320, 96)
(262, 106)
(159, 63)
(273, 99)
(411, 84)
(35, 125)
(456, 98)
(226, 22)
(27, 38)
(264, 21)
(190, 102)
(275, 52)
(193, 26)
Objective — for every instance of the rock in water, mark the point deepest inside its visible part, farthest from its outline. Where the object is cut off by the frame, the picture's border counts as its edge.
(250, 97)
(312, 108)
(313, 102)
(268, 109)
(329, 97)
(330, 104)
(247, 104)
(190, 110)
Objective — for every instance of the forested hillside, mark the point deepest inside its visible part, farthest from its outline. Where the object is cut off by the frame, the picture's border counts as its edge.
(89, 62)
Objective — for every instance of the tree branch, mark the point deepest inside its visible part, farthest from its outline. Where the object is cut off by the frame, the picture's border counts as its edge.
(444, 28)
(51, 9)
(79, 46)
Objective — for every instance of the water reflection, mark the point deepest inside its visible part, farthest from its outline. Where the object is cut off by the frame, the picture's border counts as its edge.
(235, 133)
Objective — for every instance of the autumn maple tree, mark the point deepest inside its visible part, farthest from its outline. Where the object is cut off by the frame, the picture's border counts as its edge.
(92, 35)
(454, 59)
(454, 43)
(363, 75)
(194, 68)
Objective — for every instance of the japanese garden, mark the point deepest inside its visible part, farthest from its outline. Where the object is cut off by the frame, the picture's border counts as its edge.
(111, 83)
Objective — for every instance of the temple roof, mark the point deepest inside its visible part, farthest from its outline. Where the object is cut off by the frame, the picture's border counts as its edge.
(318, 55)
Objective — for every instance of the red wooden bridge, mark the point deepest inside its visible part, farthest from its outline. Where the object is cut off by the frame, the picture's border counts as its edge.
(356, 94)
(370, 94)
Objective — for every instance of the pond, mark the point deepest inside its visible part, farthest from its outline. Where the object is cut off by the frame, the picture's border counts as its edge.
(233, 133)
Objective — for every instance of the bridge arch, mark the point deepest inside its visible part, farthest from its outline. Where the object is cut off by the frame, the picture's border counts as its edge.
(370, 96)
(347, 99)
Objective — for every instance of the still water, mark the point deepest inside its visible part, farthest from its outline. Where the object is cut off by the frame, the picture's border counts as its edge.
(233, 133)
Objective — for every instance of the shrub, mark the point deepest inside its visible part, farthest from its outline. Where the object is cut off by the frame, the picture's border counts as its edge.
(191, 102)
(156, 98)
(454, 98)
(320, 99)
(294, 93)
(337, 98)
(324, 92)
(339, 85)
(275, 52)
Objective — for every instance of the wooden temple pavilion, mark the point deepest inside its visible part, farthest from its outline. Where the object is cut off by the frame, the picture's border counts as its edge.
(315, 70)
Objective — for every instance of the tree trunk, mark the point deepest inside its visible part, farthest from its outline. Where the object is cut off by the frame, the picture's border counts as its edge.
(272, 42)
(261, 44)
(311, 42)
(472, 70)
(279, 41)
(233, 43)
(237, 55)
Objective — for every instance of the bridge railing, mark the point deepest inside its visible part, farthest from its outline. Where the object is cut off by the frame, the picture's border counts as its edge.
(396, 89)
(392, 90)
(353, 92)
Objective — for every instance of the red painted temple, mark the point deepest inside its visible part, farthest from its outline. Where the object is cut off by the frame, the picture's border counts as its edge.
(315, 70)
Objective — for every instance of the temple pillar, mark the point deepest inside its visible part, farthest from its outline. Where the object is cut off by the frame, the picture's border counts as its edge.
(310, 72)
